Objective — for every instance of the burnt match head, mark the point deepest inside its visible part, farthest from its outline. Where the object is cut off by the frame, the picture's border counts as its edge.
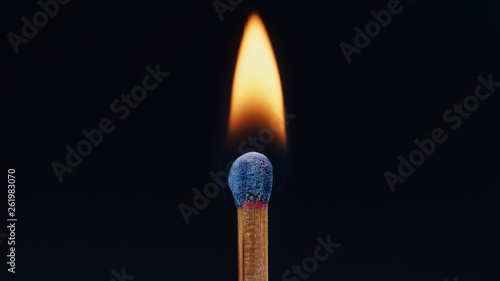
(251, 178)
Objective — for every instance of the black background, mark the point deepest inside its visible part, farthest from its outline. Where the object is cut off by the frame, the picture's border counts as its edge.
(119, 207)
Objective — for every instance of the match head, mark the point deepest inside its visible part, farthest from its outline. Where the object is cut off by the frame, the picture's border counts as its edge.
(251, 179)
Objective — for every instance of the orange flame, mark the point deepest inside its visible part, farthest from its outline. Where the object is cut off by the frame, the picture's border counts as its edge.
(257, 97)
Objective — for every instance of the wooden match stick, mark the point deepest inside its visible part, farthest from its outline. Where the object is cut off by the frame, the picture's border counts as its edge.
(250, 180)
(252, 241)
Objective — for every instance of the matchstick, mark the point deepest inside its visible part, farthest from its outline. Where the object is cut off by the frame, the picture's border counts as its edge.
(250, 180)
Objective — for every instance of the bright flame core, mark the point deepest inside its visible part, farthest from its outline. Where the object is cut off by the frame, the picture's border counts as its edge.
(257, 97)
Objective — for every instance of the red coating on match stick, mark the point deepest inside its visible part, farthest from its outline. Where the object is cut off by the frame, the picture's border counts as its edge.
(254, 205)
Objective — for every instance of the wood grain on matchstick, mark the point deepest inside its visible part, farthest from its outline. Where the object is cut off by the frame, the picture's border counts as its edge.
(252, 243)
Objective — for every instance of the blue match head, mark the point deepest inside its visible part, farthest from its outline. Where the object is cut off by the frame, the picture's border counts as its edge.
(251, 178)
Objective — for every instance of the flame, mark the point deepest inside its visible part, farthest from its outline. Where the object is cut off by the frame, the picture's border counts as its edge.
(257, 97)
